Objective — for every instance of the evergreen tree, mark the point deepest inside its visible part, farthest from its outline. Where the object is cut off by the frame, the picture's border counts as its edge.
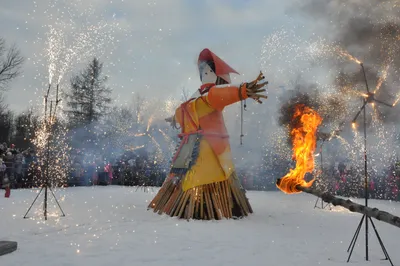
(88, 101)
(89, 98)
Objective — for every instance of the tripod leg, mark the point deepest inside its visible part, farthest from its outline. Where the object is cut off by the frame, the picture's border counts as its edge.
(316, 202)
(63, 214)
(328, 205)
(33, 203)
(354, 240)
(381, 242)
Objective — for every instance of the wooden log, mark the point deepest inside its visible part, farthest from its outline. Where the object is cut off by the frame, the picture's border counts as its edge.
(183, 203)
(176, 203)
(166, 196)
(191, 204)
(171, 201)
(217, 203)
(194, 203)
(209, 204)
(223, 199)
(160, 196)
(352, 206)
(201, 203)
(228, 193)
(239, 200)
(152, 203)
(187, 205)
(214, 201)
(236, 189)
(197, 206)
(219, 200)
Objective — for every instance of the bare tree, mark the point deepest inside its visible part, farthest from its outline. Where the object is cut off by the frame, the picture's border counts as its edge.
(138, 103)
(10, 63)
(25, 126)
(185, 94)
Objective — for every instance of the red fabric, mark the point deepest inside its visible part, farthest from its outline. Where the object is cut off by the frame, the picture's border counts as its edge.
(221, 68)
(372, 185)
(205, 87)
(108, 169)
(8, 192)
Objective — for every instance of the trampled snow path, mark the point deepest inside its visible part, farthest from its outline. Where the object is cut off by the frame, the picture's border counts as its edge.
(111, 226)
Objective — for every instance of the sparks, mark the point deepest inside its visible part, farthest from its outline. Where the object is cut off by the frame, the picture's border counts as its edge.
(382, 77)
(342, 53)
(149, 123)
(395, 102)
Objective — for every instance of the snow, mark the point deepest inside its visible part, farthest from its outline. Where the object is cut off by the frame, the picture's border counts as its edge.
(111, 226)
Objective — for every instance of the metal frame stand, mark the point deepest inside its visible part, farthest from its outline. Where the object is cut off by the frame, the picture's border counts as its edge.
(49, 127)
(369, 98)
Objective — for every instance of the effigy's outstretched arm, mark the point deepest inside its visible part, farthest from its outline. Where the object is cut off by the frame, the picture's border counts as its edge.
(220, 96)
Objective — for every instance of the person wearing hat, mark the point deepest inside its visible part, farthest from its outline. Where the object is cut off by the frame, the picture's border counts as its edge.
(202, 183)
(5, 180)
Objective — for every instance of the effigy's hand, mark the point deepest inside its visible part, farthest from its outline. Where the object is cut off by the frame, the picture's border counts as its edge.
(171, 120)
(254, 88)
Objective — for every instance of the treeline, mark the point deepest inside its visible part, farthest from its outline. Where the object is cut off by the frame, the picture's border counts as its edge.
(17, 128)
(89, 119)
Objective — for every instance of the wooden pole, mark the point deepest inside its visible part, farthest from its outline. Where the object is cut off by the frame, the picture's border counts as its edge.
(352, 206)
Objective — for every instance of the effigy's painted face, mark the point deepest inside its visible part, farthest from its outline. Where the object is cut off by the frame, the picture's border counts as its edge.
(207, 75)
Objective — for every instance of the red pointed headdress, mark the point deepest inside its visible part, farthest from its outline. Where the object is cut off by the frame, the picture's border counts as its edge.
(221, 68)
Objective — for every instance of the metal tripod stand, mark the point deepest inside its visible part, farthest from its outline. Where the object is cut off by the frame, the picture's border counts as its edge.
(369, 98)
(49, 128)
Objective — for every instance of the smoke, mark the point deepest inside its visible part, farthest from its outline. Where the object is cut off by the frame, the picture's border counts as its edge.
(127, 132)
(369, 31)
(323, 71)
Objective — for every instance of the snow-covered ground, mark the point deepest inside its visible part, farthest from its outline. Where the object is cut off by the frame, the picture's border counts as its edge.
(111, 226)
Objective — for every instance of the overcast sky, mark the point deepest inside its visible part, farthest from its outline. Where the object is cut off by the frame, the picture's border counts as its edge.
(147, 46)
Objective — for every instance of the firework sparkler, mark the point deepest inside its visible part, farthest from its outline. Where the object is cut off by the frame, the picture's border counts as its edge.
(45, 152)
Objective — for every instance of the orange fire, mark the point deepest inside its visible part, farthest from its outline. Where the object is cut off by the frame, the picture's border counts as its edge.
(304, 142)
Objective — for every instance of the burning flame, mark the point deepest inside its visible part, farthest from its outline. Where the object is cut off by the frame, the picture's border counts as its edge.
(304, 142)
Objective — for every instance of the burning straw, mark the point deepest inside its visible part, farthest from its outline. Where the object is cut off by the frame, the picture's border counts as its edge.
(305, 123)
(304, 128)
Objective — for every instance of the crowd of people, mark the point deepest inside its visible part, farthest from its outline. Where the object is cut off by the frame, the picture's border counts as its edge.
(15, 167)
(20, 169)
(346, 181)
(130, 169)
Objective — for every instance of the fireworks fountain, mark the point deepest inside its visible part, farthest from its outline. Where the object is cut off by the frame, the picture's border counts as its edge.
(69, 42)
(46, 152)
